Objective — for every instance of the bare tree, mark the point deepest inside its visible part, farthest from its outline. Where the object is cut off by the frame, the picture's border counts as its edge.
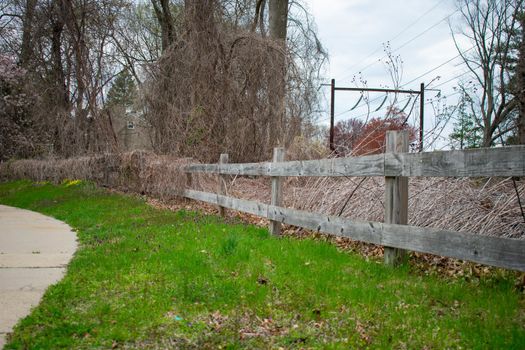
(65, 47)
(167, 24)
(214, 90)
(26, 50)
(138, 39)
(278, 24)
(489, 24)
(210, 81)
(520, 79)
(278, 18)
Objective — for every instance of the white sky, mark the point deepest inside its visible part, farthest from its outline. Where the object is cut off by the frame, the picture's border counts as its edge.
(353, 32)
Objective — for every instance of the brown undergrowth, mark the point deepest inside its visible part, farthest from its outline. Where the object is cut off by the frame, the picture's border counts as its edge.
(424, 264)
(487, 206)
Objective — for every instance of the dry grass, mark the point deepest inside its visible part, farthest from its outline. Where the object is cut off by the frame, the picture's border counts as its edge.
(221, 86)
(140, 172)
(484, 206)
(487, 206)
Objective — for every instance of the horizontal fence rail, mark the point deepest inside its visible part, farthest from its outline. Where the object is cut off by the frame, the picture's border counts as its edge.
(496, 251)
(502, 161)
(396, 166)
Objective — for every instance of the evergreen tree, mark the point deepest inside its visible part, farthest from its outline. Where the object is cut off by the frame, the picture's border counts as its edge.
(123, 90)
(467, 131)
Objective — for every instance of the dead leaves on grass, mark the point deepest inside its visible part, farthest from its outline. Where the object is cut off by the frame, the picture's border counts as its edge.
(423, 263)
(265, 327)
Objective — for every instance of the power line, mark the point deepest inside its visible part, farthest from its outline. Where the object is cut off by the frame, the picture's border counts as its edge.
(381, 96)
(402, 45)
(368, 103)
(395, 37)
(377, 98)
(348, 110)
(413, 80)
(426, 30)
(437, 67)
(363, 114)
(451, 79)
(444, 63)
(417, 20)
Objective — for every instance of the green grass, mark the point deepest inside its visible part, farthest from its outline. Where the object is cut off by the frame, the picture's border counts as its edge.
(148, 278)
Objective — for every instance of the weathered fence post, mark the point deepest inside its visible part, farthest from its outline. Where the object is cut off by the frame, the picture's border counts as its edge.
(221, 184)
(396, 195)
(187, 185)
(277, 193)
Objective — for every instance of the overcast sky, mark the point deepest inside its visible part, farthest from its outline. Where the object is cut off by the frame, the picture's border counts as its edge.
(354, 31)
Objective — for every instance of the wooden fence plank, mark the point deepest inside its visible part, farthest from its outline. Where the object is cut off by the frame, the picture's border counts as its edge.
(360, 166)
(500, 161)
(496, 251)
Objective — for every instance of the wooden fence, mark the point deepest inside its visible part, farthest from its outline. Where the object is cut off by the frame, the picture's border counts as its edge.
(396, 165)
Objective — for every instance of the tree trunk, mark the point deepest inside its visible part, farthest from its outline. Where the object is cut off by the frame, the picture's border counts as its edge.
(278, 18)
(26, 50)
(489, 25)
(259, 17)
(61, 99)
(520, 83)
(278, 22)
(165, 18)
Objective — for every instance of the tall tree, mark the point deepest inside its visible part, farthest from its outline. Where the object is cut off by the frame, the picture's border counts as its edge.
(57, 18)
(520, 79)
(138, 39)
(278, 24)
(278, 19)
(167, 25)
(26, 50)
(346, 133)
(489, 27)
(123, 90)
(65, 47)
(467, 132)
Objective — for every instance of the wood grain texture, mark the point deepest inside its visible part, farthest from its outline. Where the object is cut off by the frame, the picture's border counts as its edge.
(221, 184)
(277, 191)
(496, 251)
(500, 161)
(396, 195)
(359, 166)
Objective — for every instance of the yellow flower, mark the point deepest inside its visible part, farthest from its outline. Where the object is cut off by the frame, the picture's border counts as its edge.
(69, 183)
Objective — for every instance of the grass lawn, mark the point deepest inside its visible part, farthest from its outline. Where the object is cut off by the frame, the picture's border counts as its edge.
(149, 278)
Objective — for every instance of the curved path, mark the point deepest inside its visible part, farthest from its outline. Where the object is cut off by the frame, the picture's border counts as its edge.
(34, 251)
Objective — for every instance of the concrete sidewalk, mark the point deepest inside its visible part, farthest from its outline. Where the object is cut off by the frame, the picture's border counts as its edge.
(34, 250)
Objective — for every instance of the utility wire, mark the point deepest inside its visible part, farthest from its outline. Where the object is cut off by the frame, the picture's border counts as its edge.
(451, 79)
(413, 80)
(444, 63)
(425, 31)
(349, 110)
(402, 45)
(437, 67)
(393, 38)
(379, 97)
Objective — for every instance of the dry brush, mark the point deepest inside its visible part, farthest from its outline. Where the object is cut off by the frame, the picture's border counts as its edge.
(486, 206)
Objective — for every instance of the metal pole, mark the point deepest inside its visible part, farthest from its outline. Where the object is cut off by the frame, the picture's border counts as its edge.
(332, 113)
(421, 115)
(376, 90)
